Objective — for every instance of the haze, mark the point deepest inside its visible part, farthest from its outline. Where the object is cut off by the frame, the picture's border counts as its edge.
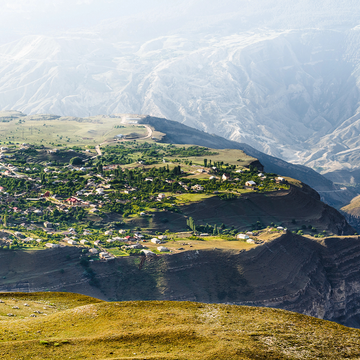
(278, 75)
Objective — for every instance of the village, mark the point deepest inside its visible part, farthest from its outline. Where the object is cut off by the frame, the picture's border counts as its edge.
(71, 197)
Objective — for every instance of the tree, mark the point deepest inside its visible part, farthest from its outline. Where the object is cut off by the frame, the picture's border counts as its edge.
(205, 162)
(215, 231)
(75, 161)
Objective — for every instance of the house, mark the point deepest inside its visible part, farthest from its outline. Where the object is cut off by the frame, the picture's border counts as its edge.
(212, 177)
(280, 180)
(108, 232)
(242, 236)
(161, 196)
(48, 225)
(37, 212)
(97, 242)
(250, 183)
(250, 241)
(148, 253)
(99, 191)
(225, 177)
(83, 242)
(110, 240)
(122, 231)
(149, 179)
(240, 171)
(86, 232)
(93, 251)
(162, 237)
(155, 241)
(162, 249)
(72, 242)
(73, 201)
(129, 238)
(52, 246)
(105, 256)
(136, 246)
(197, 187)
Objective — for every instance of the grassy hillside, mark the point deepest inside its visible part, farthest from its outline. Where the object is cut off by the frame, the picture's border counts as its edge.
(51, 129)
(164, 330)
(353, 208)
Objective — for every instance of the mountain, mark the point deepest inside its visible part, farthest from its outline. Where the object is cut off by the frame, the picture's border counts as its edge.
(282, 79)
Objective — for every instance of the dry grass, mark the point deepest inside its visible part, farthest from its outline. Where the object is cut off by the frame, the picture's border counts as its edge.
(170, 330)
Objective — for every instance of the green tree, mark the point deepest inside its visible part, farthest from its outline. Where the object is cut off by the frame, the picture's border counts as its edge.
(205, 162)
(75, 161)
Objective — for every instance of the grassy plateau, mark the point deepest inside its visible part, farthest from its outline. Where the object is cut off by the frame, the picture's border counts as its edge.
(71, 326)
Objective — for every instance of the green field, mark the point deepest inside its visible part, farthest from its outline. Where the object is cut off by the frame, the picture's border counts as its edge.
(79, 327)
(65, 130)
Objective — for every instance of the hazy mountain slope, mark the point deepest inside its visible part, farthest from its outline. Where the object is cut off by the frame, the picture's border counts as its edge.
(282, 78)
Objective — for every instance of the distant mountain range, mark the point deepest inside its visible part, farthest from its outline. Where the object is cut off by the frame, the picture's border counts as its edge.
(283, 79)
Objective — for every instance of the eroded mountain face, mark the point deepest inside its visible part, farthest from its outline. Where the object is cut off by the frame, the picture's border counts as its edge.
(317, 278)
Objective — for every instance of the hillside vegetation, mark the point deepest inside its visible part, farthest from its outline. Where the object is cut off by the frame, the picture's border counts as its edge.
(79, 327)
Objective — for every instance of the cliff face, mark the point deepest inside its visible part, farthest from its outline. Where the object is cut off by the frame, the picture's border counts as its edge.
(317, 278)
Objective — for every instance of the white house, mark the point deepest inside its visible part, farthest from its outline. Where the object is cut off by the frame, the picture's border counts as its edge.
(93, 251)
(72, 242)
(83, 242)
(148, 253)
(197, 187)
(225, 177)
(250, 183)
(52, 246)
(242, 236)
(155, 241)
(162, 249)
(161, 196)
(162, 237)
(108, 232)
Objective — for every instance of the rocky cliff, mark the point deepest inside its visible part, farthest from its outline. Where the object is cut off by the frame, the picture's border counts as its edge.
(318, 278)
